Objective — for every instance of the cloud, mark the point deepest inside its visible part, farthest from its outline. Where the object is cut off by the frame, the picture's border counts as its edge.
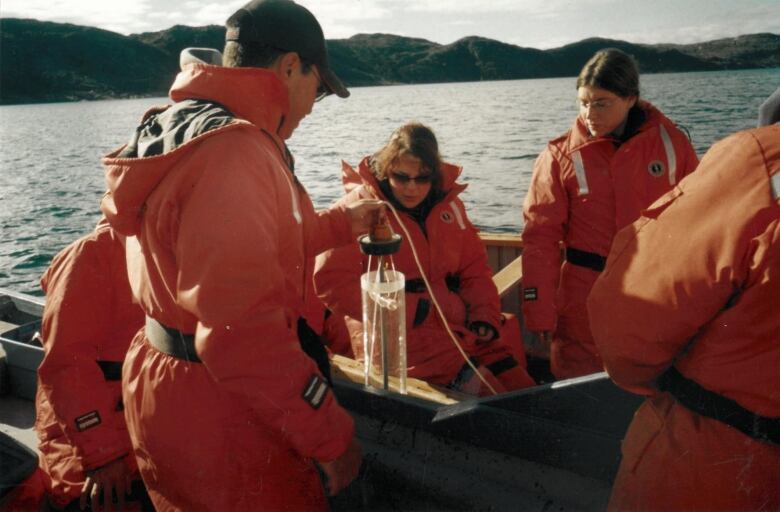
(341, 19)
(530, 23)
(213, 13)
(117, 16)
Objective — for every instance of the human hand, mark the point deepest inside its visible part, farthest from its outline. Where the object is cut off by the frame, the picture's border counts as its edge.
(107, 480)
(364, 213)
(483, 331)
(539, 344)
(340, 472)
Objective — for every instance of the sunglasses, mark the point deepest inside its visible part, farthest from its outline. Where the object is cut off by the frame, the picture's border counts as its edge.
(322, 91)
(599, 105)
(403, 179)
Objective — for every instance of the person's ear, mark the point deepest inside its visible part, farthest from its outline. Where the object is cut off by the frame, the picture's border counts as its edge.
(285, 66)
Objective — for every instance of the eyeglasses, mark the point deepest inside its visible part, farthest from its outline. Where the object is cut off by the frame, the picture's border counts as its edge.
(603, 104)
(403, 179)
(322, 90)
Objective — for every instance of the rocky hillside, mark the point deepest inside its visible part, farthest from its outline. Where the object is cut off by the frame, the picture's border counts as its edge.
(43, 61)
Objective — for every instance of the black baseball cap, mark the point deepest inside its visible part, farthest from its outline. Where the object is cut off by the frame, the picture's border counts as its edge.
(288, 26)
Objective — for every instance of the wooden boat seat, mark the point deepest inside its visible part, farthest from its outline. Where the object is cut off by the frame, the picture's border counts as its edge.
(348, 369)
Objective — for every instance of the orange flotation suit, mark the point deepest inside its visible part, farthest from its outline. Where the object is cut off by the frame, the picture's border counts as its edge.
(450, 249)
(582, 191)
(88, 323)
(688, 312)
(237, 417)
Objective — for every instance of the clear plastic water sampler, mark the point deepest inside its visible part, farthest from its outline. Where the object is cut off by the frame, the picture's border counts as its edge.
(384, 311)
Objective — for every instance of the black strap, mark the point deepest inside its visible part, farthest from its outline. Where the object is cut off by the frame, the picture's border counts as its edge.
(170, 341)
(502, 365)
(453, 282)
(414, 285)
(112, 370)
(464, 375)
(421, 313)
(417, 285)
(718, 407)
(586, 259)
(314, 347)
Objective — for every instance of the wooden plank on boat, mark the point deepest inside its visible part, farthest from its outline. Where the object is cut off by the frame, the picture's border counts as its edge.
(352, 370)
(509, 277)
(501, 240)
(7, 326)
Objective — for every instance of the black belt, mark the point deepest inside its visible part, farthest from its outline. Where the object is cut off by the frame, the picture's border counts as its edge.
(112, 370)
(417, 285)
(170, 341)
(586, 259)
(712, 405)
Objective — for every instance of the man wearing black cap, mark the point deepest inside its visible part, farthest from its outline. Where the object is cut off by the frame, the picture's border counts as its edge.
(224, 409)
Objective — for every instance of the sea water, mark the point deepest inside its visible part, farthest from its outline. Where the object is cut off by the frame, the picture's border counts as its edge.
(51, 179)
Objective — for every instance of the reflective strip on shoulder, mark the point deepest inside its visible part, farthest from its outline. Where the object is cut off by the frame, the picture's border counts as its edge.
(776, 184)
(458, 215)
(671, 156)
(579, 169)
(294, 197)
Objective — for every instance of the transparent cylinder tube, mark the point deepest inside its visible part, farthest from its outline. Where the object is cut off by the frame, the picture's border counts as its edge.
(384, 328)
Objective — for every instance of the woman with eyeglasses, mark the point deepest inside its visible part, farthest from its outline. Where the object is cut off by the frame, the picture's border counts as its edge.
(620, 155)
(409, 173)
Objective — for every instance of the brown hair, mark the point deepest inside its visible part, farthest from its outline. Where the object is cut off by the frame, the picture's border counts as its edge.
(612, 70)
(413, 139)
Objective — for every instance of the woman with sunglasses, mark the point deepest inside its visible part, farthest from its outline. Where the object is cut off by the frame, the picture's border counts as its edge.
(620, 155)
(408, 173)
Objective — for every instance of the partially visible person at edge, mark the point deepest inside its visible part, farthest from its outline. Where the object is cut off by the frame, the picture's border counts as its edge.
(687, 312)
(620, 155)
(224, 408)
(409, 173)
(769, 110)
(88, 322)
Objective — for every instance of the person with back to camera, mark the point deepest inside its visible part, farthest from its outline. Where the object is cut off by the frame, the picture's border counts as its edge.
(88, 323)
(620, 155)
(224, 408)
(409, 173)
(687, 312)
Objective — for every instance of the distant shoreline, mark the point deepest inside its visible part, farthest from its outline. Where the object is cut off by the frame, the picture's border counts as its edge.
(164, 94)
(46, 62)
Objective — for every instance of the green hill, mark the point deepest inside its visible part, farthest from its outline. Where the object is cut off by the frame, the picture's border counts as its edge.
(43, 61)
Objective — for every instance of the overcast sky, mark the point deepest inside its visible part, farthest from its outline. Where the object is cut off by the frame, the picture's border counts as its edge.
(531, 23)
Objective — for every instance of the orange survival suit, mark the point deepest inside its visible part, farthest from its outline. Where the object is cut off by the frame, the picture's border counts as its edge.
(582, 191)
(688, 312)
(88, 322)
(456, 265)
(225, 410)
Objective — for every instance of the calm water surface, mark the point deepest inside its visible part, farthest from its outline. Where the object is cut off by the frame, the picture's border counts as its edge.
(51, 180)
